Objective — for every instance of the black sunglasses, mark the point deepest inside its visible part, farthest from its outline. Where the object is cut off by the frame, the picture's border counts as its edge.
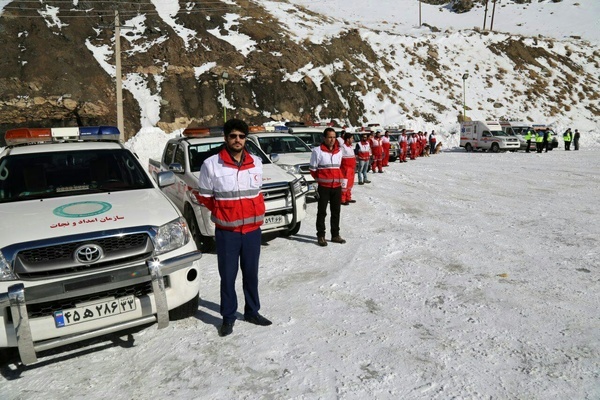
(235, 135)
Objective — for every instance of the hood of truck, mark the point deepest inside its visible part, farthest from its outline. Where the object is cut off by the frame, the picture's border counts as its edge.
(294, 158)
(30, 220)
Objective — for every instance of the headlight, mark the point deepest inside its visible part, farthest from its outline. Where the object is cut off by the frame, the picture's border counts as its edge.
(171, 236)
(6, 273)
(290, 168)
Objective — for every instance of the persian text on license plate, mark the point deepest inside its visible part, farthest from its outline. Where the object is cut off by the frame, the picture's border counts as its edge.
(273, 220)
(94, 311)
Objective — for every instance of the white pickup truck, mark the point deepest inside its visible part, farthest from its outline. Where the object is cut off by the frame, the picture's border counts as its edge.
(284, 192)
(89, 244)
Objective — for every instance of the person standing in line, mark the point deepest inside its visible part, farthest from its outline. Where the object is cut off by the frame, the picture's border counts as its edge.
(363, 155)
(377, 150)
(528, 136)
(403, 145)
(539, 139)
(348, 168)
(324, 166)
(545, 140)
(567, 139)
(229, 186)
(385, 146)
(412, 143)
(432, 142)
(576, 139)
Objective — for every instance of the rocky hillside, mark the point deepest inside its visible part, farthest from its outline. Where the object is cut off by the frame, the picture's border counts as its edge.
(58, 68)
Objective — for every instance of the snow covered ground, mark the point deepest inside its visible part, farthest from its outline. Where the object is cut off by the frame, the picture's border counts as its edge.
(465, 275)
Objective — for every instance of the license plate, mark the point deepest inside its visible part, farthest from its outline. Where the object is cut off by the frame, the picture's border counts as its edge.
(90, 312)
(273, 219)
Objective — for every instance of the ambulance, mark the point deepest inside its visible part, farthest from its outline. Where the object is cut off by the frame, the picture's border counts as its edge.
(486, 136)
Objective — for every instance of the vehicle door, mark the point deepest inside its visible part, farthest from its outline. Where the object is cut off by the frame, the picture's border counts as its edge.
(486, 139)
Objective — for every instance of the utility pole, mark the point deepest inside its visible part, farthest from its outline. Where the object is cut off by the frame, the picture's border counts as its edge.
(120, 123)
(420, 13)
(485, 14)
(493, 12)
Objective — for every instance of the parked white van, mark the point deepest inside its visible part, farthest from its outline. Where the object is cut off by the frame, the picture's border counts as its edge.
(486, 135)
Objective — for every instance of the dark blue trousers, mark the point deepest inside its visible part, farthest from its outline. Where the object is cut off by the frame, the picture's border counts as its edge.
(238, 251)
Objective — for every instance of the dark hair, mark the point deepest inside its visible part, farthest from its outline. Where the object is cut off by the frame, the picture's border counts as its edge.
(235, 124)
(327, 130)
(347, 135)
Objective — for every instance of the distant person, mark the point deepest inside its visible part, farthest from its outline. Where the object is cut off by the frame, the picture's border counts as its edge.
(403, 145)
(363, 156)
(385, 146)
(576, 139)
(377, 150)
(324, 166)
(567, 139)
(539, 139)
(528, 136)
(348, 168)
(229, 186)
(432, 142)
(546, 140)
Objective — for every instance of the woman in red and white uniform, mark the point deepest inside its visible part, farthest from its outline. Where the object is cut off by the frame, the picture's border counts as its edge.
(377, 150)
(348, 168)
(385, 145)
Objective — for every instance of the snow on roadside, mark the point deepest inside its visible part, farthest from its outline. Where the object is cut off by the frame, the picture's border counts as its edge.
(465, 275)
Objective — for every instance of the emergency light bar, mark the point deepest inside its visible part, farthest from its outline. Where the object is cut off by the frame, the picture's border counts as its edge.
(203, 131)
(48, 135)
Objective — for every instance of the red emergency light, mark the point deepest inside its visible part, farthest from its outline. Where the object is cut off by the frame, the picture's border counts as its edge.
(28, 135)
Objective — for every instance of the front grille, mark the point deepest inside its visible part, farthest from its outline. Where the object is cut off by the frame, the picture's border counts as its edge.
(58, 260)
(274, 193)
(64, 252)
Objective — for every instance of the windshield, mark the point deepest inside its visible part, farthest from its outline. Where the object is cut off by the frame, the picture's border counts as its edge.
(68, 173)
(499, 133)
(283, 144)
(200, 152)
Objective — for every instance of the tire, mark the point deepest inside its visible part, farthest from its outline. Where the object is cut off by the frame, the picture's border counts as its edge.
(495, 148)
(293, 231)
(468, 147)
(205, 244)
(185, 310)
(393, 159)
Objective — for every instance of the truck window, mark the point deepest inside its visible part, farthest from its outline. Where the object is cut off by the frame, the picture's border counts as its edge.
(68, 173)
(486, 134)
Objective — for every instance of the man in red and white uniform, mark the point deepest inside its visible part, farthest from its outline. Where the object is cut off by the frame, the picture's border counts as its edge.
(348, 168)
(324, 166)
(377, 149)
(229, 186)
(403, 144)
(385, 145)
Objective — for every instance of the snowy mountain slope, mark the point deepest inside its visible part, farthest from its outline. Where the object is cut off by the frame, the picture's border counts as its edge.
(398, 73)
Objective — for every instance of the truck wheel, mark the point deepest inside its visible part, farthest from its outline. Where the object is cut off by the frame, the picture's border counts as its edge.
(185, 310)
(393, 159)
(205, 244)
(292, 231)
(495, 148)
(468, 147)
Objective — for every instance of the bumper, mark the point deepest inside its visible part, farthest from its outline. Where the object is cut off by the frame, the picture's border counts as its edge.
(33, 335)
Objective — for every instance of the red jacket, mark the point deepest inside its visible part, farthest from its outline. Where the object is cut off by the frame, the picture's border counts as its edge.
(232, 192)
(325, 166)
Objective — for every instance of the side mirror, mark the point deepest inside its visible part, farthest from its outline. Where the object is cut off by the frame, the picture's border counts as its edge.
(274, 157)
(165, 178)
